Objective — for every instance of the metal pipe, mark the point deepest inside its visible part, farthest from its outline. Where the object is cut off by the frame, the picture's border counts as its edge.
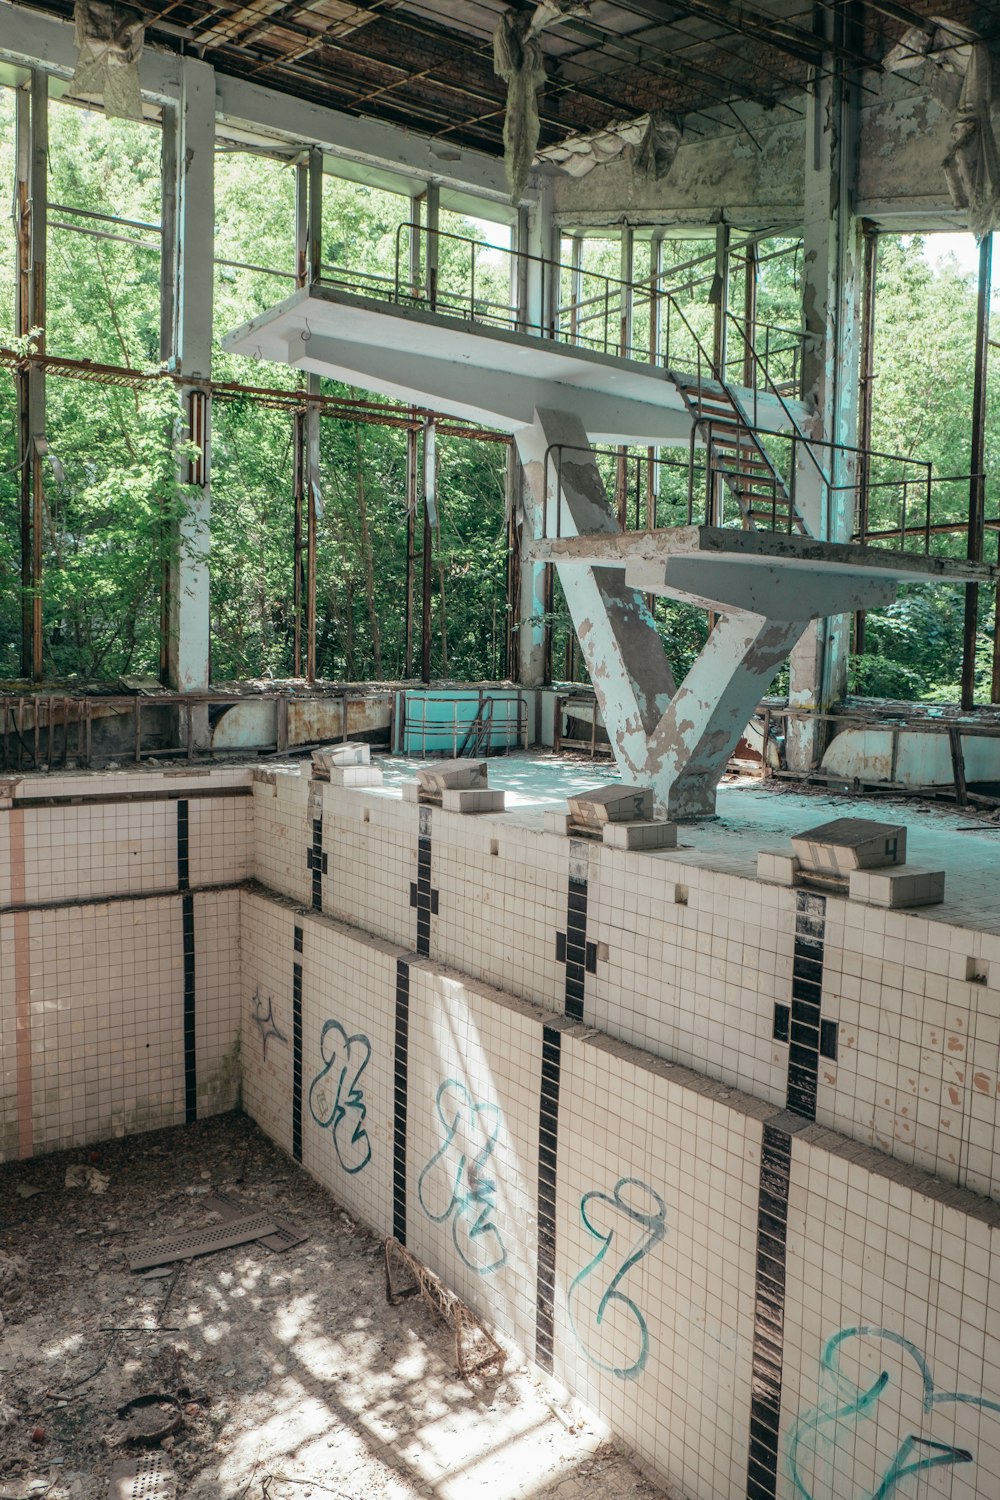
(751, 265)
(411, 516)
(298, 544)
(977, 482)
(865, 395)
(430, 504)
(121, 239)
(995, 676)
(312, 493)
(433, 201)
(627, 310)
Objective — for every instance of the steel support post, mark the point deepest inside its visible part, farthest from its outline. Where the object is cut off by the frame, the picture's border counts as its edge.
(415, 260)
(655, 339)
(751, 269)
(313, 512)
(826, 482)
(308, 493)
(430, 517)
(626, 272)
(535, 312)
(298, 535)
(189, 654)
(628, 302)
(411, 524)
(31, 243)
(576, 286)
(168, 322)
(866, 390)
(432, 199)
(977, 461)
(720, 299)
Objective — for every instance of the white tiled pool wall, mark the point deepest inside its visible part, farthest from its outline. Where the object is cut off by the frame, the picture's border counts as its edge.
(119, 953)
(758, 1305)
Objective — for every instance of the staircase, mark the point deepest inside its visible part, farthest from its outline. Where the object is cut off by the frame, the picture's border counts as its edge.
(737, 458)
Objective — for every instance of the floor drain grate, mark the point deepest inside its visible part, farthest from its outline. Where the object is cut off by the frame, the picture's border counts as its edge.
(284, 1237)
(146, 1477)
(191, 1242)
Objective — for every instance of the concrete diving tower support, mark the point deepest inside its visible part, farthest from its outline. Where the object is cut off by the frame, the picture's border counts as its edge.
(765, 586)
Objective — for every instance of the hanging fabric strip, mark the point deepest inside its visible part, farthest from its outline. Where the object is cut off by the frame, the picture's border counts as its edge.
(109, 39)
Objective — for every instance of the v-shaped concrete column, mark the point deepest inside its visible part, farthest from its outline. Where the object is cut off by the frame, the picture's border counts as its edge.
(677, 741)
(621, 645)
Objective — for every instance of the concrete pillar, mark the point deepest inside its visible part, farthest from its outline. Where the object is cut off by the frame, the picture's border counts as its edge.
(192, 356)
(536, 238)
(531, 590)
(619, 641)
(540, 283)
(825, 482)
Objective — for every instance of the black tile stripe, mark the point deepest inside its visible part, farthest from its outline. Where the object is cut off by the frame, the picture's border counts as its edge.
(401, 1065)
(297, 1050)
(422, 895)
(183, 845)
(808, 1035)
(769, 1314)
(316, 863)
(807, 990)
(548, 1133)
(190, 1038)
(575, 947)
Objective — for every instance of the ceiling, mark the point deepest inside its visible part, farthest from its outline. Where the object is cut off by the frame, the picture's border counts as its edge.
(428, 64)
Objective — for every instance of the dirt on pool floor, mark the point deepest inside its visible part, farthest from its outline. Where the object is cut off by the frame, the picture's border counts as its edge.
(290, 1373)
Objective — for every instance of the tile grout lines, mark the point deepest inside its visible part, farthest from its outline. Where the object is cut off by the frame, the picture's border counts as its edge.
(188, 950)
(422, 895)
(297, 1047)
(548, 1134)
(400, 1099)
(804, 1036)
(572, 948)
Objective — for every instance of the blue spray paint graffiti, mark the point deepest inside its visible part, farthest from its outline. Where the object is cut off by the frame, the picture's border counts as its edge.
(816, 1436)
(629, 1222)
(336, 1097)
(453, 1185)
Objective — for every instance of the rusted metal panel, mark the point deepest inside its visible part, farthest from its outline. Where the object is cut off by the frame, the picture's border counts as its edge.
(313, 720)
(246, 726)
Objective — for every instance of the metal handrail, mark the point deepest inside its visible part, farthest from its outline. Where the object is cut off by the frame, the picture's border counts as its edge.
(608, 302)
(649, 464)
(512, 720)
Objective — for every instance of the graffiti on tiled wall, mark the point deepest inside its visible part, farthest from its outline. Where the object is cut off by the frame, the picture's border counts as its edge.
(336, 1095)
(457, 1183)
(872, 1380)
(628, 1223)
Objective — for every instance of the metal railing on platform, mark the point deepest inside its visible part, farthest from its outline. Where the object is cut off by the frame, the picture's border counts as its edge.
(471, 279)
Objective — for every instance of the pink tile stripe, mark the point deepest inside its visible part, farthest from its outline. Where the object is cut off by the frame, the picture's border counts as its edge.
(22, 984)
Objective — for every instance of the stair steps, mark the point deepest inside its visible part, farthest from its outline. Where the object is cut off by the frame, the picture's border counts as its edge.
(738, 458)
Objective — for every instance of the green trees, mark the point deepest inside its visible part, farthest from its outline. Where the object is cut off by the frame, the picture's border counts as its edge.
(107, 517)
(924, 339)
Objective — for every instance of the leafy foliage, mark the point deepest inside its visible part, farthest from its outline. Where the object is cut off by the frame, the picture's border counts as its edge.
(108, 522)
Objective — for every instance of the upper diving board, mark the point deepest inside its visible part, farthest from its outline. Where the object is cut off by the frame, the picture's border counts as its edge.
(492, 376)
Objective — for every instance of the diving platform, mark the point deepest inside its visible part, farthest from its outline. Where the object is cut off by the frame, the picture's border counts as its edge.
(765, 572)
(492, 376)
(765, 579)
